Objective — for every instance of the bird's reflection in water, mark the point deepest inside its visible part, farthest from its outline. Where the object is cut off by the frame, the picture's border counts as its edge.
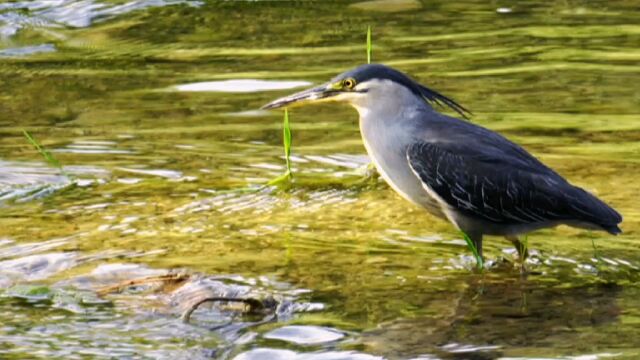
(496, 314)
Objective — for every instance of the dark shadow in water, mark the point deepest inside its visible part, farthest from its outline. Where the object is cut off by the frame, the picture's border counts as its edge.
(493, 315)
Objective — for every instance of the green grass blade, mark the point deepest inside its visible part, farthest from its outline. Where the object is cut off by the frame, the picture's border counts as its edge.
(48, 157)
(286, 142)
(279, 179)
(474, 251)
(286, 138)
(369, 46)
(596, 253)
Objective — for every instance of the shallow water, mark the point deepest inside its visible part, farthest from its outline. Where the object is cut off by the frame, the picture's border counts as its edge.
(152, 108)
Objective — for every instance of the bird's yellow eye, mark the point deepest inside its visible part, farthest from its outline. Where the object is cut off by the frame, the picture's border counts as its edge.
(349, 83)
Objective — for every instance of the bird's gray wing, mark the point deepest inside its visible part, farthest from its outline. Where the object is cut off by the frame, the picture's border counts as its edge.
(499, 188)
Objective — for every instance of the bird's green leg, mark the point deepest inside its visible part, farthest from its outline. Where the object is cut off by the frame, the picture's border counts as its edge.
(477, 241)
(523, 251)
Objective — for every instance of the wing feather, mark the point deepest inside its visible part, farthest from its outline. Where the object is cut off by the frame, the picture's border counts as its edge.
(503, 190)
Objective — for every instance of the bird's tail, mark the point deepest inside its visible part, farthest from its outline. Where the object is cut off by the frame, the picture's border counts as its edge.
(595, 211)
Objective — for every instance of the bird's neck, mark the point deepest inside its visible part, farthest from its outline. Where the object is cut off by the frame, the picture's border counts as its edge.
(391, 119)
(388, 128)
(389, 124)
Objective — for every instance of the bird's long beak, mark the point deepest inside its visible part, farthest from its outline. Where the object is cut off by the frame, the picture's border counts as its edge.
(316, 94)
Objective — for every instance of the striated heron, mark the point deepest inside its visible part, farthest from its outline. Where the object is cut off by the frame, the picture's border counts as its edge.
(477, 179)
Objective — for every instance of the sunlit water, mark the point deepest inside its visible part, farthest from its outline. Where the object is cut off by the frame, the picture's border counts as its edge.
(151, 106)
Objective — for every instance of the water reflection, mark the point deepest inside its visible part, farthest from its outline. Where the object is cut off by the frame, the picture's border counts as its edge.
(27, 50)
(73, 13)
(27, 262)
(164, 173)
(134, 299)
(387, 5)
(304, 335)
(28, 181)
(493, 318)
(93, 147)
(241, 86)
(275, 354)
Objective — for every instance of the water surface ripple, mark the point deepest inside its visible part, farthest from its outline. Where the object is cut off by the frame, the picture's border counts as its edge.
(152, 108)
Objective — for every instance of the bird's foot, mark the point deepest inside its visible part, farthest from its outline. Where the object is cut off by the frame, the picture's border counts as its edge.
(501, 263)
(523, 268)
(509, 264)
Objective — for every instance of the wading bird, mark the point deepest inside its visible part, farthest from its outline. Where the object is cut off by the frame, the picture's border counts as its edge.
(477, 179)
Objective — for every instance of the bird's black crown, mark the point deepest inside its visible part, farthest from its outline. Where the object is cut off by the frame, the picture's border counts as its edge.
(367, 72)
